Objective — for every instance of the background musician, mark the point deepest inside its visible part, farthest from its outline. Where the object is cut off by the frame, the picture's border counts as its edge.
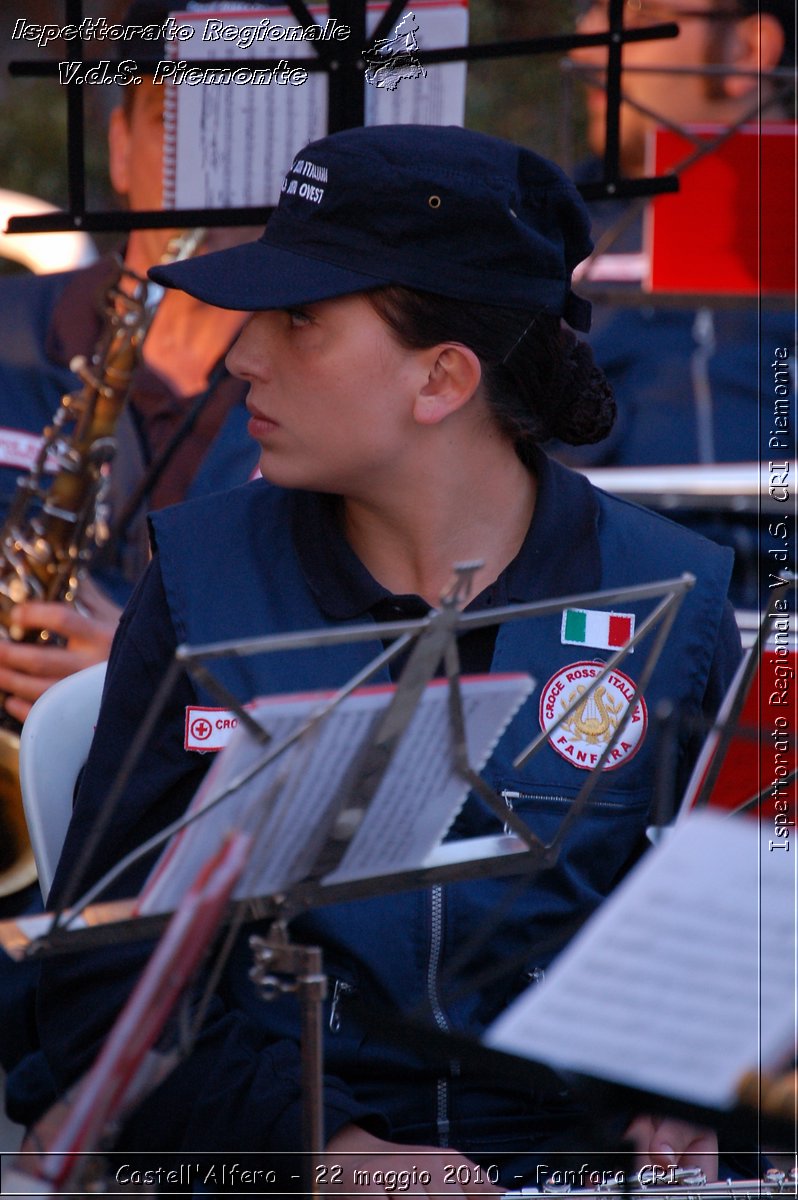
(47, 319)
(50, 318)
(401, 379)
(648, 350)
(748, 38)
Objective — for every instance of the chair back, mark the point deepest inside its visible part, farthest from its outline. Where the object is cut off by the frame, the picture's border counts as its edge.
(54, 745)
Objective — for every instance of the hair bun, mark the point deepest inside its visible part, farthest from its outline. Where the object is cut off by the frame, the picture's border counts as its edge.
(586, 412)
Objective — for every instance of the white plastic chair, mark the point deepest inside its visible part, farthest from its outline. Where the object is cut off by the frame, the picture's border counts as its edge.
(53, 747)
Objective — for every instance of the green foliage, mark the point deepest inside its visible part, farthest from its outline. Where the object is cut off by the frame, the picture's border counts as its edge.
(526, 99)
(33, 140)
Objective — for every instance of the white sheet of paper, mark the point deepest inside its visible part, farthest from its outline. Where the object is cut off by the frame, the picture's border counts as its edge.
(292, 798)
(231, 144)
(684, 979)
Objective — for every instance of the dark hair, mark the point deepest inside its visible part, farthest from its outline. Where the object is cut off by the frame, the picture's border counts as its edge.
(540, 381)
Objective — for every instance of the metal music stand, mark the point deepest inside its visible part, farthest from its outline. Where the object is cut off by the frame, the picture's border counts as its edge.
(433, 640)
(730, 728)
(281, 967)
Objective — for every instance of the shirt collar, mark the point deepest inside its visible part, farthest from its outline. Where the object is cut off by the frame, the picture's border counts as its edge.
(559, 555)
(343, 588)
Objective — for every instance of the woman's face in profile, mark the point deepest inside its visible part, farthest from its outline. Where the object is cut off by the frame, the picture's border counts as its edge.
(331, 394)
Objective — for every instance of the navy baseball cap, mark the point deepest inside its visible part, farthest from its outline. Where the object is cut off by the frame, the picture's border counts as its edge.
(439, 209)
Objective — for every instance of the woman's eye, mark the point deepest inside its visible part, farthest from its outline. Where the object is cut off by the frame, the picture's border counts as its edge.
(297, 317)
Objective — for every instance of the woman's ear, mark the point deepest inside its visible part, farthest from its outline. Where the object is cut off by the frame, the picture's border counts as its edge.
(454, 377)
(119, 151)
(758, 45)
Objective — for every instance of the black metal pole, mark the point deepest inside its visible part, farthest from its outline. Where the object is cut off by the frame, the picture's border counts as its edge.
(76, 163)
(612, 168)
(346, 100)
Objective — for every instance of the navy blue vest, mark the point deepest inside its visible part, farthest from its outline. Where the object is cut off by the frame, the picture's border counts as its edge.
(230, 569)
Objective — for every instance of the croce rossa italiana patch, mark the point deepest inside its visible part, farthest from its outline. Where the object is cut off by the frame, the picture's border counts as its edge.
(582, 737)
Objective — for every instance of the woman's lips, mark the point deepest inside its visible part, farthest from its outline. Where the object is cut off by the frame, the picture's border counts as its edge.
(260, 425)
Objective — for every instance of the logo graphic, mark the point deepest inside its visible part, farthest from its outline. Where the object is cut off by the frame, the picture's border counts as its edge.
(392, 59)
(582, 737)
(208, 729)
(201, 729)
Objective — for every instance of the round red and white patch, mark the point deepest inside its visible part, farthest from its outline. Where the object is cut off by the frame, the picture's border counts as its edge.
(582, 737)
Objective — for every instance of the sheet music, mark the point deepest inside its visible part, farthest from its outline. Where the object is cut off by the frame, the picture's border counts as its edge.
(232, 144)
(686, 976)
(291, 799)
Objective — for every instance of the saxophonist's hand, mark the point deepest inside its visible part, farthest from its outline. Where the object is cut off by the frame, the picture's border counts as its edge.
(26, 671)
(667, 1142)
(358, 1164)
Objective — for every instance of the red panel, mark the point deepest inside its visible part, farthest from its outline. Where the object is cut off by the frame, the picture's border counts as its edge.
(762, 754)
(620, 630)
(731, 227)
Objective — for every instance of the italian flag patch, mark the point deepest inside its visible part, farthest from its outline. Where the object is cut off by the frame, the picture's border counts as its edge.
(602, 630)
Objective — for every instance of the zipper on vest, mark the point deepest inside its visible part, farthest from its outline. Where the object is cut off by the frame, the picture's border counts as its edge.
(510, 797)
(439, 1016)
(341, 990)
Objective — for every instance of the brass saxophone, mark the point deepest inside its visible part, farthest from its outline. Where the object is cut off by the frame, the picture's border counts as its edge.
(55, 522)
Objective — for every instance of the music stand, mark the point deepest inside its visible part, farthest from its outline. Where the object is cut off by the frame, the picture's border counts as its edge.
(435, 642)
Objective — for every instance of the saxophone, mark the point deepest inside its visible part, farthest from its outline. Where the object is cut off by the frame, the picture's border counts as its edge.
(56, 521)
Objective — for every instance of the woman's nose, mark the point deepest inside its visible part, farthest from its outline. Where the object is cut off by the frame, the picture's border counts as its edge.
(240, 358)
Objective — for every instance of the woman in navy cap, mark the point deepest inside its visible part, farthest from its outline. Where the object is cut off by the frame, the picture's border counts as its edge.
(407, 354)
